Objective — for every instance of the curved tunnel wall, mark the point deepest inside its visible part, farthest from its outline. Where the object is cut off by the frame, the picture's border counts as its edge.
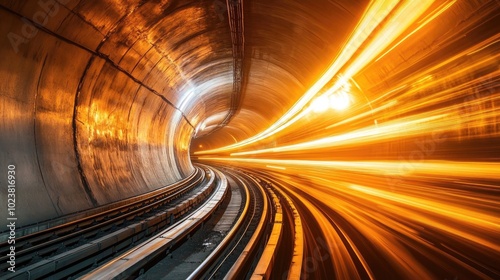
(83, 127)
(99, 99)
(288, 45)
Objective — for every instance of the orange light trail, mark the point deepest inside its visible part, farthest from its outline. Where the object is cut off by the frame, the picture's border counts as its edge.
(403, 17)
(405, 179)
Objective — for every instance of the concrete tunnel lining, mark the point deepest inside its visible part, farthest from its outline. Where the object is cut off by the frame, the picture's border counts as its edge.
(90, 106)
(124, 73)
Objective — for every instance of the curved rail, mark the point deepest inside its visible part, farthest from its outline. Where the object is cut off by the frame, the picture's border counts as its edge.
(294, 272)
(265, 265)
(108, 244)
(135, 259)
(81, 219)
(295, 268)
(243, 264)
(216, 254)
(284, 229)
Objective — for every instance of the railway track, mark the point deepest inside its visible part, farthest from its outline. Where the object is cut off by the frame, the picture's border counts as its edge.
(266, 226)
(126, 240)
(61, 251)
(237, 253)
(132, 262)
(79, 219)
(283, 254)
(266, 242)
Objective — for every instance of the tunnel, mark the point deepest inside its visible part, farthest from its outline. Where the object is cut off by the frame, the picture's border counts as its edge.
(371, 127)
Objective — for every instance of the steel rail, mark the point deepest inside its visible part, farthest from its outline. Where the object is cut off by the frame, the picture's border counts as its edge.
(216, 254)
(243, 264)
(114, 241)
(135, 259)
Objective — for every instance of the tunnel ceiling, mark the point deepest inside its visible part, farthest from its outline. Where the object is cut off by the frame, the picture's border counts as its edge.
(183, 51)
(288, 44)
(102, 98)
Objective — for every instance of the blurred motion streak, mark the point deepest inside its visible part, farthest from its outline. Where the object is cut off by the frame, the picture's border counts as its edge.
(377, 12)
(406, 179)
(442, 221)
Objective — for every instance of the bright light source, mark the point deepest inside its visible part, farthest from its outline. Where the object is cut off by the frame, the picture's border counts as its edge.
(320, 104)
(340, 101)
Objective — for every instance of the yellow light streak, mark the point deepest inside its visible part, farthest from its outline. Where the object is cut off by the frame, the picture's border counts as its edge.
(276, 167)
(373, 16)
(350, 199)
(429, 18)
(486, 170)
(404, 205)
